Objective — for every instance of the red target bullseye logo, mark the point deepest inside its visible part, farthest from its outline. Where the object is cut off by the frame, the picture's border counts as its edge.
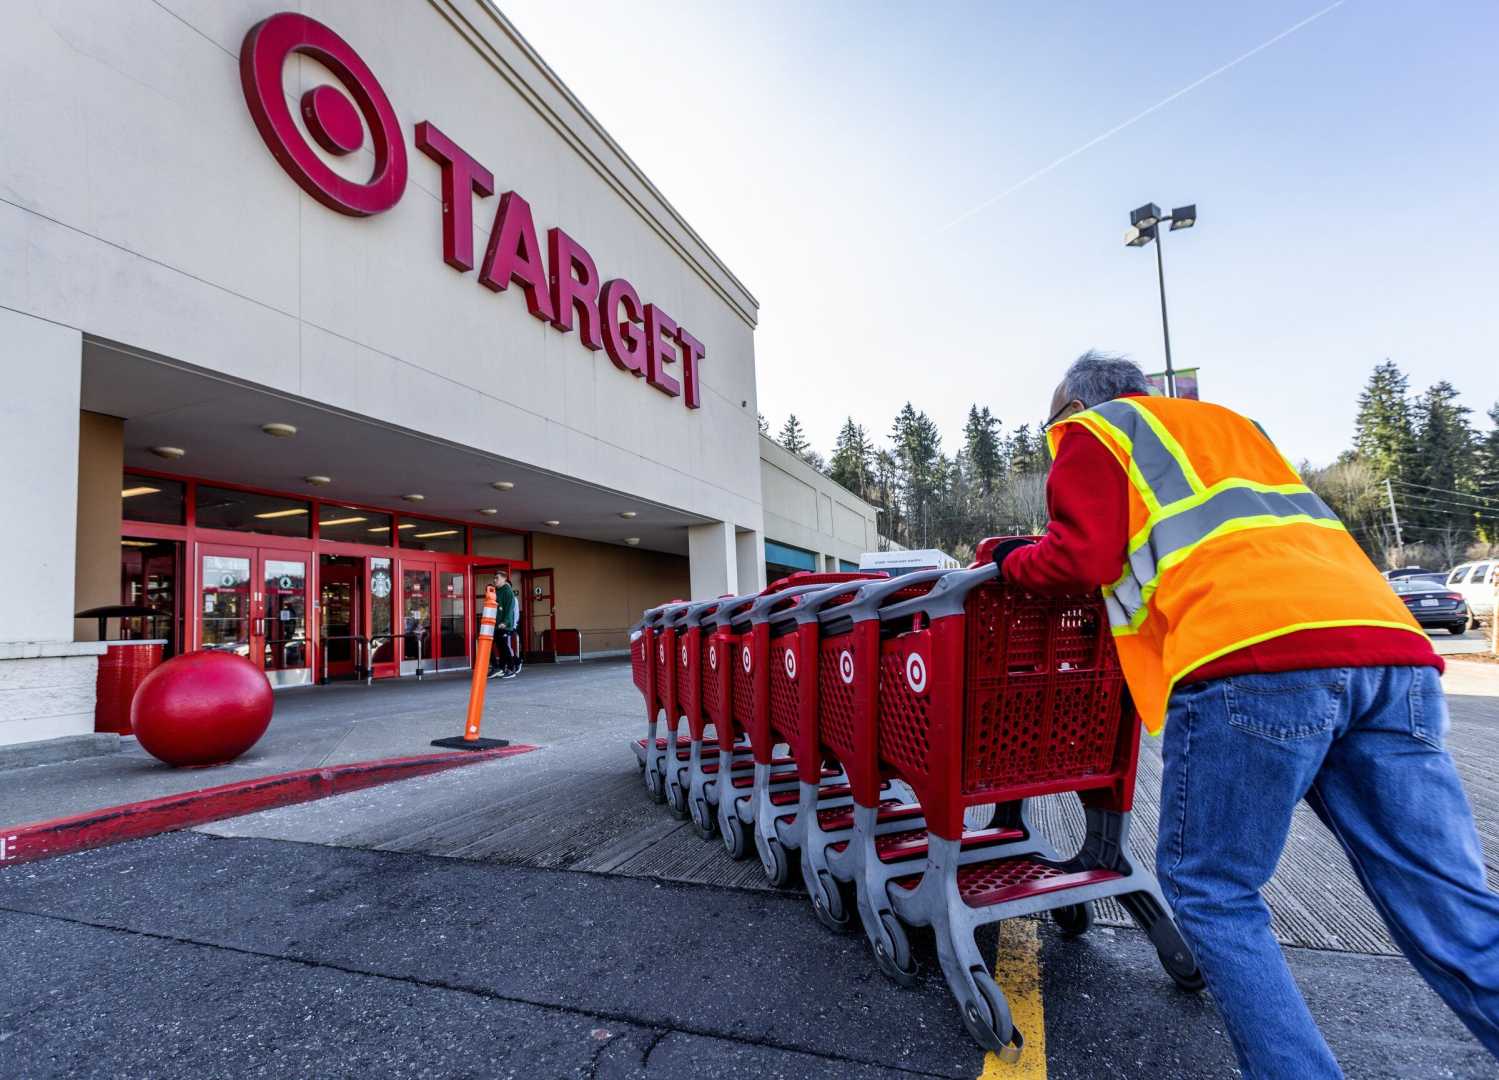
(331, 118)
(790, 665)
(846, 667)
(916, 672)
(744, 658)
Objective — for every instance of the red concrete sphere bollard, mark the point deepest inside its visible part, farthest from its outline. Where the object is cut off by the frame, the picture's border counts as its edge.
(202, 708)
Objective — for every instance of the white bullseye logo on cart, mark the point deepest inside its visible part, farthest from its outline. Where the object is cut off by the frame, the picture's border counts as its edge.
(846, 667)
(712, 658)
(916, 672)
(744, 658)
(661, 653)
(790, 665)
(684, 655)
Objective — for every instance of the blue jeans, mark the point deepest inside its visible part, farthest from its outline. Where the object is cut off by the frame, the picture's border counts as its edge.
(1364, 747)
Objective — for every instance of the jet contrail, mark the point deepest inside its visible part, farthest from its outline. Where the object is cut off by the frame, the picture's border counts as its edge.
(1117, 128)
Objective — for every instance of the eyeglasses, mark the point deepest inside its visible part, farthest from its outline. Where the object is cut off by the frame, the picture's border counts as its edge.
(1056, 416)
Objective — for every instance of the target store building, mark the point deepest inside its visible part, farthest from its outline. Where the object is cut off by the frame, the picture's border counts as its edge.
(311, 320)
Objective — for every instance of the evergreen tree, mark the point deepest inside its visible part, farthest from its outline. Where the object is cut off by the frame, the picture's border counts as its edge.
(851, 462)
(1486, 480)
(985, 455)
(1442, 507)
(1027, 453)
(917, 447)
(1384, 432)
(792, 436)
(764, 423)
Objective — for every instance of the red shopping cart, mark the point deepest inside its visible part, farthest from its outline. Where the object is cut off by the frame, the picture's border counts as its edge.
(987, 694)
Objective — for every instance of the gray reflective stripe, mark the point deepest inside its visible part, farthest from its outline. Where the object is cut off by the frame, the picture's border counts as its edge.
(1118, 616)
(1162, 472)
(1191, 526)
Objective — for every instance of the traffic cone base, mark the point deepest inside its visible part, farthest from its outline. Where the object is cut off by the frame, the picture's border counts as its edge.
(458, 742)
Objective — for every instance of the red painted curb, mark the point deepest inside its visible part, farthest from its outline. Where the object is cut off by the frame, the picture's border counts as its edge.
(133, 821)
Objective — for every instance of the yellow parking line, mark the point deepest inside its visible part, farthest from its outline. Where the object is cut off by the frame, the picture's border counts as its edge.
(1018, 972)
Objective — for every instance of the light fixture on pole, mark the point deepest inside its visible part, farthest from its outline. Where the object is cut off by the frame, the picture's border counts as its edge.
(1144, 226)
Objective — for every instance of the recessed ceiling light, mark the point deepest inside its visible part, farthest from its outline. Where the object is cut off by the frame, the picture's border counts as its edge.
(553, 523)
(279, 431)
(627, 514)
(171, 453)
(132, 492)
(292, 512)
(413, 498)
(430, 535)
(343, 520)
(137, 543)
(318, 481)
(503, 485)
(632, 540)
(489, 511)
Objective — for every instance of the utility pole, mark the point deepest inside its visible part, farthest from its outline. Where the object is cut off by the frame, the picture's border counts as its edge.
(1394, 517)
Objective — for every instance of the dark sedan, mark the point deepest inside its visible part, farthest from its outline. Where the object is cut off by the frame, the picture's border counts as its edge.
(1433, 605)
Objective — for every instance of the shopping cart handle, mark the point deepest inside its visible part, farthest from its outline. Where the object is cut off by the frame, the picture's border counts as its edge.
(810, 610)
(728, 611)
(866, 604)
(760, 610)
(947, 597)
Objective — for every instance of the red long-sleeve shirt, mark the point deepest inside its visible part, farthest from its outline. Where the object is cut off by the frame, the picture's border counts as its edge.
(1084, 547)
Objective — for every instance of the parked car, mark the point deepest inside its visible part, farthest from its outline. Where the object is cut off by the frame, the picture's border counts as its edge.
(1475, 582)
(1408, 571)
(1434, 605)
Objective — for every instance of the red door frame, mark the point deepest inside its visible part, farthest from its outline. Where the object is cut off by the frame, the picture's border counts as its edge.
(310, 633)
(546, 643)
(346, 574)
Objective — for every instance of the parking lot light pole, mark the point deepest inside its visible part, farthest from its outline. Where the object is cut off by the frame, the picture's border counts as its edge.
(1145, 226)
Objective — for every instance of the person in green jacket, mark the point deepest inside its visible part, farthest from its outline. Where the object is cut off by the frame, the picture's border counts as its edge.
(503, 663)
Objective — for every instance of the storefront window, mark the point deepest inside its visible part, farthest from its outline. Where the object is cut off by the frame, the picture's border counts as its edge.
(148, 578)
(454, 632)
(499, 545)
(420, 535)
(349, 526)
(245, 511)
(382, 603)
(150, 498)
(226, 603)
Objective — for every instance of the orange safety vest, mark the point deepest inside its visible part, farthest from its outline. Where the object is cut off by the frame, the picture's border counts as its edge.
(1227, 547)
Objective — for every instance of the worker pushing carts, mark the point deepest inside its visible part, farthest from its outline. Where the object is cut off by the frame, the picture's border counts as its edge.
(861, 719)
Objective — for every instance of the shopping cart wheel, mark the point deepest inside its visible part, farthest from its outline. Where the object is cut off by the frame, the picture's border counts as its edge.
(829, 903)
(733, 837)
(773, 860)
(979, 1014)
(655, 783)
(1074, 920)
(703, 820)
(676, 800)
(893, 954)
(1186, 974)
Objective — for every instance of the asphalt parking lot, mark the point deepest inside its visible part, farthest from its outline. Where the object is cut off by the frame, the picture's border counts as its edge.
(540, 917)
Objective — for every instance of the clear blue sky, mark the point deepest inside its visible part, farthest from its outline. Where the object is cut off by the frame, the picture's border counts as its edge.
(1347, 178)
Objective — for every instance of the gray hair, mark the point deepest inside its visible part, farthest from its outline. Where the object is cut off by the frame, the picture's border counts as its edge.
(1096, 377)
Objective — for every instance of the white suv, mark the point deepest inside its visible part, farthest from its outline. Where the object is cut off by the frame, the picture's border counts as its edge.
(1476, 582)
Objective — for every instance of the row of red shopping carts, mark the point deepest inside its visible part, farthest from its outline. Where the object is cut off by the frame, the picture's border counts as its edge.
(848, 724)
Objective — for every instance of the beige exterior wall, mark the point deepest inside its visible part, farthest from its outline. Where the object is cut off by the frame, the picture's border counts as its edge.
(603, 589)
(101, 461)
(805, 509)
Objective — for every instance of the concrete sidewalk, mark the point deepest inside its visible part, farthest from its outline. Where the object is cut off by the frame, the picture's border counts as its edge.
(311, 728)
